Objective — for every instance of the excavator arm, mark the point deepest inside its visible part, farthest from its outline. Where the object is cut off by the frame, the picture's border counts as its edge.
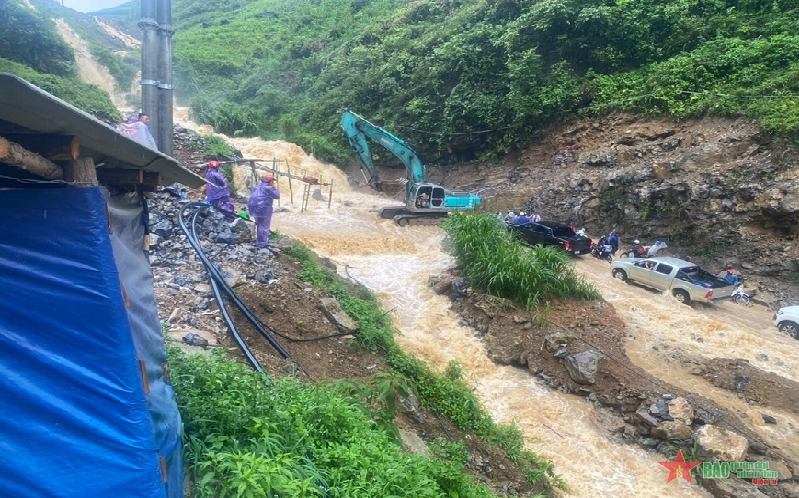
(425, 203)
(358, 129)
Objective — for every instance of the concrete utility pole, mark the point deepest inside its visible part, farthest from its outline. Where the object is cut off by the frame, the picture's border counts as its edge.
(165, 88)
(149, 66)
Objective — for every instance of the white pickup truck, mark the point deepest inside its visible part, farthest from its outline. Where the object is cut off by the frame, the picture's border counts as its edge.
(683, 279)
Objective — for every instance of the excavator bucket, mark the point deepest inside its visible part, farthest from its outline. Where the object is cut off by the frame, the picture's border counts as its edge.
(390, 187)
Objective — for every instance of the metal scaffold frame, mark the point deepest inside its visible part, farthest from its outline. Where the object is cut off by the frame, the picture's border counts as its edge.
(258, 167)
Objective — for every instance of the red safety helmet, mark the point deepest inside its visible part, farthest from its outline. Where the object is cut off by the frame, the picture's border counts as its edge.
(268, 178)
(213, 164)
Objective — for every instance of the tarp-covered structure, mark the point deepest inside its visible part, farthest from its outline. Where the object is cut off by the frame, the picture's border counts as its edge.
(86, 401)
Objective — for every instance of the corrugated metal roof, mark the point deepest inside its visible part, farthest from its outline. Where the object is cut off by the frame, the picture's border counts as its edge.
(31, 107)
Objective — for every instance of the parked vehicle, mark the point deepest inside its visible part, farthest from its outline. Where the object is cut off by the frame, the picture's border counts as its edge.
(602, 251)
(552, 233)
(740, 296)
(787, 321)
(683, 279)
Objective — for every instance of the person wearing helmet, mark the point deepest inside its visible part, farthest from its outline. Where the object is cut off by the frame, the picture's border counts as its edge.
(260, 207)
(639, 250)
(217, 190)
(522, 218)
(730, 276)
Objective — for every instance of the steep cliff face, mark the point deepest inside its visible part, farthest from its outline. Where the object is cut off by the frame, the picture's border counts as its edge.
(719, 190)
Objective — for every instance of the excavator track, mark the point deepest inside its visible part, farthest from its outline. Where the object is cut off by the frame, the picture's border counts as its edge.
(420, 219)
(403, 217)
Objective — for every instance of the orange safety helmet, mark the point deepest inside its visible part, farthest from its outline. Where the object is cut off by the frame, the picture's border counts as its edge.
(213, 164)
(268, 178)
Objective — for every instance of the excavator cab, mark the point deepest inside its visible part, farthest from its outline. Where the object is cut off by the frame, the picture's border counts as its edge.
(426, 197)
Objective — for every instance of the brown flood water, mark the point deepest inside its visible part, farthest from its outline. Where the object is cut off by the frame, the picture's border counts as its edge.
(395, 262)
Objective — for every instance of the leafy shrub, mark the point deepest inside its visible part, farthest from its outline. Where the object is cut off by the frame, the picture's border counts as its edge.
(248, 436)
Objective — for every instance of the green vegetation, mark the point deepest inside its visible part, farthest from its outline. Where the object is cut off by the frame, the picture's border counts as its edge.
(446, 394)
(31, 40)
(31, 48)
(495, 262)
(249, 436)
(90, 98)
(467, 80)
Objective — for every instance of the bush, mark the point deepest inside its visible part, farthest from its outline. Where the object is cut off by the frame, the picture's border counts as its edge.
(495, 262)
(248, 436)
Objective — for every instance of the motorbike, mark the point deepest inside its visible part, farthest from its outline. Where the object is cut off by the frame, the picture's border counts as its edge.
(740, 296)
(603, 251)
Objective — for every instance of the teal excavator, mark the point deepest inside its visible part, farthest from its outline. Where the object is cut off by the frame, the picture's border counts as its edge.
(425, 203)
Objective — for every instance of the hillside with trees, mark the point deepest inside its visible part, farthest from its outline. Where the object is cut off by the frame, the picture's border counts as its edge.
(31, 48)
(471, 80)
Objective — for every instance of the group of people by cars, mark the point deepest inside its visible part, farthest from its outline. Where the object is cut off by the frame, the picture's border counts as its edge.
(682, 278)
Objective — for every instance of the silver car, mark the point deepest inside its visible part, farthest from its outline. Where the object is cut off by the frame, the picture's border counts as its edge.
(684, 280)
(787, 321)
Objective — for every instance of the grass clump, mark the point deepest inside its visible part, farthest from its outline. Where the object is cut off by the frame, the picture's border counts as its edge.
(446, 394)
(498, 264)
(248, 436)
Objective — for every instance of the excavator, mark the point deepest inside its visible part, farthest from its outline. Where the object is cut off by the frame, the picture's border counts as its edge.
(425, 203)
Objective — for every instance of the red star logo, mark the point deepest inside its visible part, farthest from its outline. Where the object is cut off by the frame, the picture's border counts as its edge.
(678, 464)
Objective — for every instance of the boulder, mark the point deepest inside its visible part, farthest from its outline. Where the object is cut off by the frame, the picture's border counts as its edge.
(335, 314)
(716, 443)
(583, 367)
(442, 286)
(556, 341)
(672, 430)
(681, 411)
(732, 487)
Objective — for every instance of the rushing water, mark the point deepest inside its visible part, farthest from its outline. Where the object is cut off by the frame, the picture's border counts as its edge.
(396, 262)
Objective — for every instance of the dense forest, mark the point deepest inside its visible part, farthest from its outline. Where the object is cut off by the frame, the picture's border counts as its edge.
(472, 79)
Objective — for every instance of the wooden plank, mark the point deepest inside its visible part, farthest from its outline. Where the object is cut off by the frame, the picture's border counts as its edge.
(82, 172)
(16, 155)
(152, 178)
(109, 176)
(52, 147)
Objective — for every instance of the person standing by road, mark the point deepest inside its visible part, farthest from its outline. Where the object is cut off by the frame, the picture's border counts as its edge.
(217, 190)
(613, 240)
(730, 275)
(260, 207)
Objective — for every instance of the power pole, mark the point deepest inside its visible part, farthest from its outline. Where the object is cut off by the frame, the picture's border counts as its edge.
(165, 88)
(149, 65)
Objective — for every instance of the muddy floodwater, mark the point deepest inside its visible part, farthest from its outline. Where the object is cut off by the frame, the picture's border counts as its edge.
(396, 262)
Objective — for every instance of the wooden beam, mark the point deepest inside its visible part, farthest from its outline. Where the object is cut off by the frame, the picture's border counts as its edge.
(152, 178)
(16, 155)
(82, 172)
(109, 176)
(52, 147)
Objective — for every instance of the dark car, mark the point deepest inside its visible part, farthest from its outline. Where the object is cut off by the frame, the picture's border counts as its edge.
(552, 233)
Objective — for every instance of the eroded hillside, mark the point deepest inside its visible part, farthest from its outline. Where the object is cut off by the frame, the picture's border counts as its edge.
(718, 190)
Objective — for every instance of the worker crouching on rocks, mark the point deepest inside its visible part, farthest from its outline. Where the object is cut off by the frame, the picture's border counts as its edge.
(217, 190)
(260, 208)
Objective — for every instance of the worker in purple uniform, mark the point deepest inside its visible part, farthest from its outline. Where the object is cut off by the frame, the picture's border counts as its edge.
(217, 190)
(260, 208)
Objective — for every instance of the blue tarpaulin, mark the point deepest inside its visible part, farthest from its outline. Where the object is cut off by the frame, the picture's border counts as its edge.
(74, 341)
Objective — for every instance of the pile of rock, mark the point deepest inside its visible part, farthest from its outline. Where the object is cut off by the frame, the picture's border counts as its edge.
(182, 286)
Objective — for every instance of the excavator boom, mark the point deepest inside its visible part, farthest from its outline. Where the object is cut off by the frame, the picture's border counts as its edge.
(425, 203)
